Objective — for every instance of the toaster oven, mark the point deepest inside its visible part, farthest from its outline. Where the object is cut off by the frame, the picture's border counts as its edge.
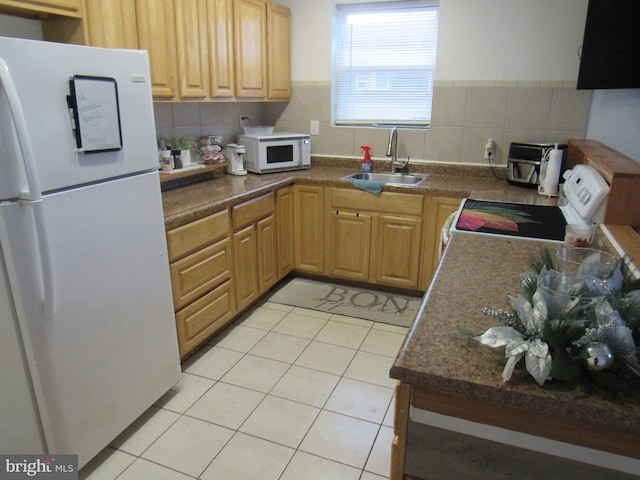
(523, 163)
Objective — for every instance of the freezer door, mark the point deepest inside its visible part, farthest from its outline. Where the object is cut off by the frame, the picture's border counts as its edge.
(41, 72)
(110, 349)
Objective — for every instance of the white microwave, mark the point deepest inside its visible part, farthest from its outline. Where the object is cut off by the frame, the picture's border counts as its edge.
(276, 153)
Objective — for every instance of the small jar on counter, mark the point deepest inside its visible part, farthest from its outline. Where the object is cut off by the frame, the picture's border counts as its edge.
(166, 161)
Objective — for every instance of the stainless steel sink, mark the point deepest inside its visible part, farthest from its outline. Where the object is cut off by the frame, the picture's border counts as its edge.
(409, 179)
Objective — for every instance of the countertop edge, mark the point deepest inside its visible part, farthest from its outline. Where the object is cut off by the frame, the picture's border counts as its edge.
(479, 376)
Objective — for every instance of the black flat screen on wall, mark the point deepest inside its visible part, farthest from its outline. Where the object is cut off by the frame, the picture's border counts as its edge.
(611, 46)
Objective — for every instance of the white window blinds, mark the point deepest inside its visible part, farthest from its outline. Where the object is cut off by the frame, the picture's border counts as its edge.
(384, 61)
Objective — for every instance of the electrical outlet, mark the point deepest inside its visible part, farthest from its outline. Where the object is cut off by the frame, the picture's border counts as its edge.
(490, 150)
(314, 128)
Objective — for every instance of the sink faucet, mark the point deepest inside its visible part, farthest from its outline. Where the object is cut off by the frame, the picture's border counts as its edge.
(392, 151)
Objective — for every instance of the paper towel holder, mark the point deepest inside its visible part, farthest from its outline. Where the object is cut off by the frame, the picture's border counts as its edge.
(550, 171)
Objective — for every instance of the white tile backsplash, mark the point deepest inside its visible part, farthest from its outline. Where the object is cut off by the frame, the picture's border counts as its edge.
(464, 115)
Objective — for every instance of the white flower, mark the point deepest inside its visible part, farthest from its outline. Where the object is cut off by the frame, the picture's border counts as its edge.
(536, 352)
(532, 316)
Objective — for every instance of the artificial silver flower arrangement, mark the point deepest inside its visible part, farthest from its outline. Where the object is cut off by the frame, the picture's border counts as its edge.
(571, 325)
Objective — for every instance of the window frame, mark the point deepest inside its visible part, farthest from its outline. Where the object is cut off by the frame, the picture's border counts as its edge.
(344, 77)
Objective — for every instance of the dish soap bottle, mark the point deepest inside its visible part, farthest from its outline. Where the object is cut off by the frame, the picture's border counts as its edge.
(366, 161)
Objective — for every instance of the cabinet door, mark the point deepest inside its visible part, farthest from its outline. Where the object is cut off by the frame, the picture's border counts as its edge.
(250, 38)
(308, 203)
(284, 232)
(396, 251)
(193, 48)
(157, 35)
(267, 255)
(111, 23)
(279, 51)
(349, 245)
(245, 253)
(438, 210)
(220, 32)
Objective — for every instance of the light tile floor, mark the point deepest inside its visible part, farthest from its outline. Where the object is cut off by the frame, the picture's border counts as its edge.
(285, 393)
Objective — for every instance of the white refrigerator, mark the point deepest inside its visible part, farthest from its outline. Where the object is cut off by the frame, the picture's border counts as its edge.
(87, 332)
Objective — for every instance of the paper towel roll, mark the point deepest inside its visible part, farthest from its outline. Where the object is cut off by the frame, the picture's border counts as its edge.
(549, 182)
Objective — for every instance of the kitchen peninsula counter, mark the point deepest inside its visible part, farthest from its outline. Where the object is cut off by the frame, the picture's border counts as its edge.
(444, 371)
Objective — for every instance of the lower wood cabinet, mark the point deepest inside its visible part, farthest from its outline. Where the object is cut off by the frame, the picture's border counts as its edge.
(245, 256)
(309, 214)
(374, 239)
(267, 253)
(254, 248)
(222, 263)
(201, 266)
(396, 251)
(438, 210)
(284, 230)
(350, 245)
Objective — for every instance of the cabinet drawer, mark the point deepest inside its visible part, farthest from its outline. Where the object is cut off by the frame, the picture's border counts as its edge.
(204, 317)
(387, 202)
(194, 275)
(188, 238)
(250, 212)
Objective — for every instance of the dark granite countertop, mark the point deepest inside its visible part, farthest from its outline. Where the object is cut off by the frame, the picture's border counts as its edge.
(190, 202)
(479, 271)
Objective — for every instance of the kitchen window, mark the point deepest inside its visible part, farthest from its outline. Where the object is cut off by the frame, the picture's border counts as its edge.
(384, 57)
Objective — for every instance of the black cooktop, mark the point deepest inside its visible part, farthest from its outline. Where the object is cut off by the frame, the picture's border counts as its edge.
(544, 222)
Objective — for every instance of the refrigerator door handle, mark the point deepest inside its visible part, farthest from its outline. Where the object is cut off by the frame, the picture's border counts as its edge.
(33, 196)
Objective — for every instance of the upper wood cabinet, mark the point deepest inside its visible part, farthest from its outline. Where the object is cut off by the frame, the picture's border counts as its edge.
(111, 23)
(198, 49)
(156, 34)
(279, 51)
(250, 33)
(71, 8)
(221, 58)
(192, 47)
(204, 43)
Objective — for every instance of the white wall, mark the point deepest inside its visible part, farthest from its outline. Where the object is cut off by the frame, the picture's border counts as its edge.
(510, 39)
(478, 40)
(614, 120)
(493, 40)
